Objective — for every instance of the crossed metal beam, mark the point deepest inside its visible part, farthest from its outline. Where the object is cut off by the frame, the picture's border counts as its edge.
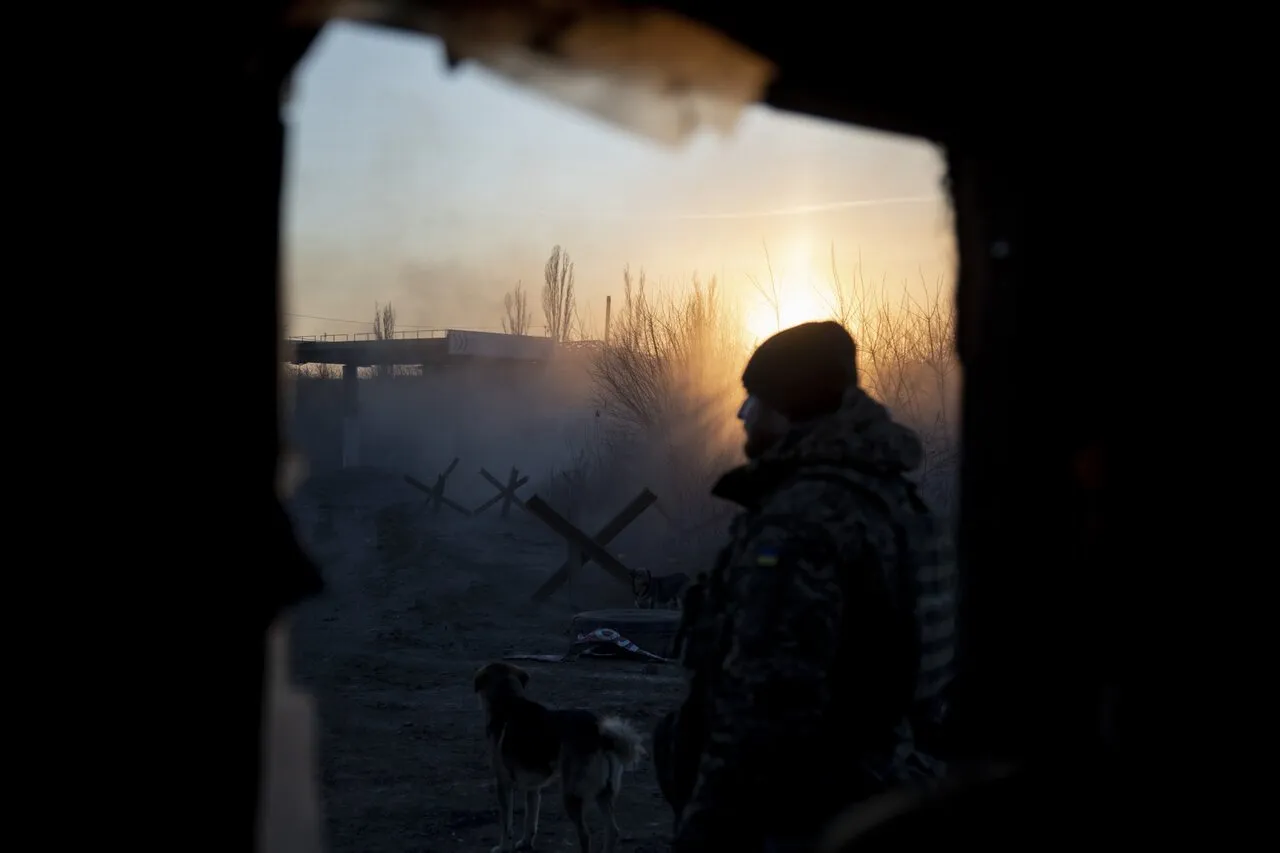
(506, 494)
(435, 494)
(590, 548)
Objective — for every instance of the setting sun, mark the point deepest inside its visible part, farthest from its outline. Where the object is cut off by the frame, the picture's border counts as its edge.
(795, 304)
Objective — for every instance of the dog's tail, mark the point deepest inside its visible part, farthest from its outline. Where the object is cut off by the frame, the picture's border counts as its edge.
(622, 741)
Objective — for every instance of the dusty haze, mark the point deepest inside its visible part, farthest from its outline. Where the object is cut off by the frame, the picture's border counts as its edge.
(437, 193)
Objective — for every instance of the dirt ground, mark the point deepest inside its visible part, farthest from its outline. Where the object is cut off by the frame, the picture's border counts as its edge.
(389, 652)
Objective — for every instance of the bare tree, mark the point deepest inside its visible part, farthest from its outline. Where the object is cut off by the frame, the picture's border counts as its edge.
(384, 328)
(384, 322)
(559, 303)
(516, 305)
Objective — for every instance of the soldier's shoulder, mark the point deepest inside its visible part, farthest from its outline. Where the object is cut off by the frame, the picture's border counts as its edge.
(829, 493)
(849, 508)
(809, 498)
(817, 508)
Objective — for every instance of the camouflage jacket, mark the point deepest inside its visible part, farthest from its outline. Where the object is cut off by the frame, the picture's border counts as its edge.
(825, 628)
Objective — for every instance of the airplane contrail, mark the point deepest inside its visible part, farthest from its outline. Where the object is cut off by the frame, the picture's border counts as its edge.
(799, 210)
(811, 208)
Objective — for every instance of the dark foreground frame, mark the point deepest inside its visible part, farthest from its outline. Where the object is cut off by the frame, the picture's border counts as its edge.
(1042, 570)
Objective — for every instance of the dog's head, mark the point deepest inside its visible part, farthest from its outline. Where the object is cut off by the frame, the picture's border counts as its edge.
(641, 580)
(499, 679)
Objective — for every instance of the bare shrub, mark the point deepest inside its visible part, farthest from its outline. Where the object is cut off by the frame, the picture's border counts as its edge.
(516, 305)
(559, 303)
(665, 386)
(771, 296)
(907, 360)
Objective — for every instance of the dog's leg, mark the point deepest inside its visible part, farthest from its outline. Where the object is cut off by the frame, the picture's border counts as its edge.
(605, 800)
(505, 819)
(573, 807)
(532, 805)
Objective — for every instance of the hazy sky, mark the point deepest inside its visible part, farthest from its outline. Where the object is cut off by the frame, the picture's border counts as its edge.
(439, 190)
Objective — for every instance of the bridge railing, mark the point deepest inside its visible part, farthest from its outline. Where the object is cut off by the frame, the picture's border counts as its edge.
(329, 337)
(420, 334)
(409, 334)
(401, 334)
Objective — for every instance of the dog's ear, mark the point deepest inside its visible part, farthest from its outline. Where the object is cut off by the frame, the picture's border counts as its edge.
(522, 675)
(483, 676)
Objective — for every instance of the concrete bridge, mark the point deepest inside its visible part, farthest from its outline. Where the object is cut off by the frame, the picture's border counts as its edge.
(425, 348)
(419, 347)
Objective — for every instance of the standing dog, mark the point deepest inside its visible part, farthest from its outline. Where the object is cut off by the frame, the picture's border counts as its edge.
(662, 591)
(530, 746)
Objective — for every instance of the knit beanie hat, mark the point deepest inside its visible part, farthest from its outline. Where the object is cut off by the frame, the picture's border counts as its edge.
(802, 372)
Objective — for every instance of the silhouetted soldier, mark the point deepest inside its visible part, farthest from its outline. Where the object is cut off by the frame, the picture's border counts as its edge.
(820, 643)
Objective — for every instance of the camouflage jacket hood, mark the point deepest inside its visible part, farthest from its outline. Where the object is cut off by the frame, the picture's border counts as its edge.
(859, 435)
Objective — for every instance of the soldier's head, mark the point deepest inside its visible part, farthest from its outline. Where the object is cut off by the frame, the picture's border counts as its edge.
(798, 375)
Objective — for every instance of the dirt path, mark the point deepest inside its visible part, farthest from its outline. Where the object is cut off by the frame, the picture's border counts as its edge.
(389, 654)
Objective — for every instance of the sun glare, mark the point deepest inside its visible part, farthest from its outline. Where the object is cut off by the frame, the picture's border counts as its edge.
(796, 304)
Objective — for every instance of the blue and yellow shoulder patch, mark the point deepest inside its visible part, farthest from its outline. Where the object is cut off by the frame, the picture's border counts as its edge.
(766, 556)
